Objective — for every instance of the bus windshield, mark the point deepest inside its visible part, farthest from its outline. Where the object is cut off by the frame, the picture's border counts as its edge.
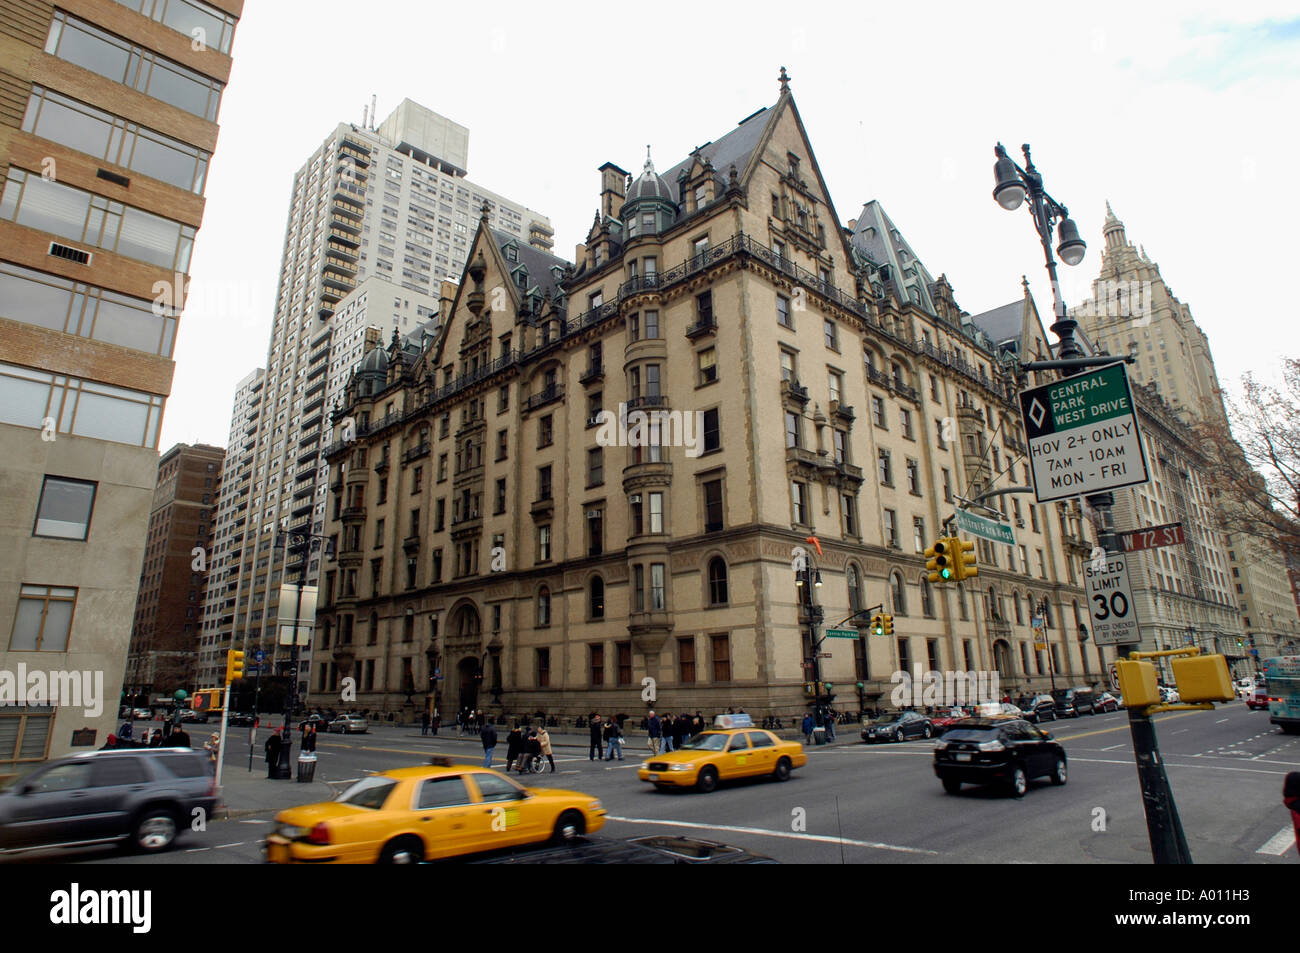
(1282, 683)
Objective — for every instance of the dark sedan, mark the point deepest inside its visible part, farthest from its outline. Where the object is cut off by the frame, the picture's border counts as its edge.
(1007, 751)
(1037, 708)
(897, 727)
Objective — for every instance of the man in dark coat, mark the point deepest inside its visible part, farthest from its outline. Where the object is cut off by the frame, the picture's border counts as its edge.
(594, 750)
(273, 752)
(488, 735)
(180, 738)
(424, 722)
(514, 741)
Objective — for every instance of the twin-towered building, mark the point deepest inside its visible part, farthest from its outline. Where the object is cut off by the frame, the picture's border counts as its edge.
(495, 548)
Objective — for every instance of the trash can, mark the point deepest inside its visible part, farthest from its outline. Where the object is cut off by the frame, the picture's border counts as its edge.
(819, 735)
(307, 767)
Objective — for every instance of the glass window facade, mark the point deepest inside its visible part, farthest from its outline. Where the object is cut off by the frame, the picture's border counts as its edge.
(83, 408)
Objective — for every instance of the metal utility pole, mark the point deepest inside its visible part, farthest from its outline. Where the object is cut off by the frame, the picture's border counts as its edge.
(1014, 185)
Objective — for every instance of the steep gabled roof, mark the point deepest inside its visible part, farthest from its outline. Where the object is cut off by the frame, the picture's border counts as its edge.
(876, 237)
(1004, 323)
(539, 263)
(735, 148)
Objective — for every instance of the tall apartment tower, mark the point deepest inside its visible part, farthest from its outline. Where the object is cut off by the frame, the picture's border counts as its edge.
(390, 203)
(1133, 311)
(169, 608)
(107, 127)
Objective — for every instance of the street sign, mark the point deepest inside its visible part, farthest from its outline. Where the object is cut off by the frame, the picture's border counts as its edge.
(1110, 600)
(1083, 435)
(259, 656)
(1036, 622)
(823, 654)
(1151, 537)
(1113, 672)
(995, 531)
(842, 633)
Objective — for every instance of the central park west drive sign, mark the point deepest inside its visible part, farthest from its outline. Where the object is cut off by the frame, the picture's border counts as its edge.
(1083, 435)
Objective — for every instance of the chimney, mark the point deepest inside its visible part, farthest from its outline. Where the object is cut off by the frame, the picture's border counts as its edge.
(579, 253)
(613, 189)
(853, 224)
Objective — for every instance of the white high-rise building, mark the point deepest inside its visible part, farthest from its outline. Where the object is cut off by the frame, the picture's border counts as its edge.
(390, 203)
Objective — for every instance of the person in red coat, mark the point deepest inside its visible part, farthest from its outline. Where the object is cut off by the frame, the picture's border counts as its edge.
(1291, 798)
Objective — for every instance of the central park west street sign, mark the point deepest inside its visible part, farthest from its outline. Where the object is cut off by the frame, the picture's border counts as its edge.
(1083, 435)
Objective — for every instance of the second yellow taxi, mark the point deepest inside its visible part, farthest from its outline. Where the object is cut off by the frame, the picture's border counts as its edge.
(734, 748)
(408, 815)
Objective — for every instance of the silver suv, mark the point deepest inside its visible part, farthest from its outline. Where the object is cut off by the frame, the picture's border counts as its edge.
(348, 724)
(139, 796)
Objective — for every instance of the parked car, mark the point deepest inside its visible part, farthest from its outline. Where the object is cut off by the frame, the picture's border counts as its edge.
(654, 849)
(189, 714)
(140, 796)
(321, 722)
(1037, 708)
(1257, 699)
(1073, 702)
(1168, 696)
(897, 727)
(349, 724)
(945, 718)
(142, 714)
(241, 719)
(1106, 702)
(997, 751)
(997, 710)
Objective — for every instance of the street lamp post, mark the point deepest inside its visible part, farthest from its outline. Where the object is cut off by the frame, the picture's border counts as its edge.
(815, 616)
(1013, 186)
(302, 543)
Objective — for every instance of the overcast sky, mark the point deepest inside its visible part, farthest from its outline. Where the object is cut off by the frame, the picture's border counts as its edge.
(1183, 115)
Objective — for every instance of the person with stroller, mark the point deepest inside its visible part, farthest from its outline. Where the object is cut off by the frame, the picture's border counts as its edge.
(531, 749)
(544, 740)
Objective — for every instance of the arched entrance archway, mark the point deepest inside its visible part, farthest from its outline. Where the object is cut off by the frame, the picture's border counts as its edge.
(466, 672)
(1002, 661)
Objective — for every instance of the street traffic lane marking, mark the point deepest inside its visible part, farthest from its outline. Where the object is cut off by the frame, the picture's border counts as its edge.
(1279, 843)
(1175, 764)
(1123, 727)
(788, 835)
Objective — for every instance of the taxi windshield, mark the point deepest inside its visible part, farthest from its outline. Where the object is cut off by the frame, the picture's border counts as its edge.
(709, 741)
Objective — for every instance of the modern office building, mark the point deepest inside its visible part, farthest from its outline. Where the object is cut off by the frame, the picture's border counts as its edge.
(169, 607)
(511, 536)
(108, 122)
(376, 214)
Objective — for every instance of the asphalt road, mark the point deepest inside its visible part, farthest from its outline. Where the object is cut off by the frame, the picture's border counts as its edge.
(856, 803)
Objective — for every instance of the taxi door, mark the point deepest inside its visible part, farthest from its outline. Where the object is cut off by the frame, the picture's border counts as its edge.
(504, 815)
(443, 815)
(738, 760)
(763, 752)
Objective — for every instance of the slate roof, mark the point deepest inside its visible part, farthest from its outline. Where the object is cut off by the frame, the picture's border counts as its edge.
(734, 148)
(1004, 323)
(539, 263)
(876, 237)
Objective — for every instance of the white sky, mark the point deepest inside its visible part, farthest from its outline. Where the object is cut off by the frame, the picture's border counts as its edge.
(1183, 116)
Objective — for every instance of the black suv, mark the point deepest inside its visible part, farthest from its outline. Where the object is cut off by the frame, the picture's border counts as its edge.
(1073, 702)
(1006, 751)
(142, 796)
(1037, 708)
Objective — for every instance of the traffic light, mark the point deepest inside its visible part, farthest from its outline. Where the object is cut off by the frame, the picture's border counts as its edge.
(886, 624)
(1203, 678)
(938, 560)
(808, 689)
(1137, 683)
(877, 624)
(964, 558)
(234, 665)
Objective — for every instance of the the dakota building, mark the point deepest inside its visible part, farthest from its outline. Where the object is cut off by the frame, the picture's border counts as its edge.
(506, 541)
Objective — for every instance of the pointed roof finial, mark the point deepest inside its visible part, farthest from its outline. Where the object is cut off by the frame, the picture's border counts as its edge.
(1024, 283)
(649, 166)
(1110, 215)
(484, 209)
(785, 80)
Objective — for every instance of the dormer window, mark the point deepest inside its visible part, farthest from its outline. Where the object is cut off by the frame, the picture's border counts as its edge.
(701, 196)
(521, 278)
(512, 253)
(793, 165)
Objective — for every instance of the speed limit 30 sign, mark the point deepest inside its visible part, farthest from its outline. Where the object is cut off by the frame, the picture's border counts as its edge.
(1110, 601)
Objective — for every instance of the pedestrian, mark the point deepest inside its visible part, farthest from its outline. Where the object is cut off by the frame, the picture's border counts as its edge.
(681, 730)
(273, 745)
(212, 746)
(180, 739)
(830, 723)
(127, 731)
(654, 729)
(614, 736)
(531, 749)
(437, 721)
(698, 724)
(424, 722)
(544, 740)
(489, 738)
(309, 739)
(807, 728)
(111, 744)
(460, 722)
(666, 725)
(1291, 798)
(514, 744)
(595, 731)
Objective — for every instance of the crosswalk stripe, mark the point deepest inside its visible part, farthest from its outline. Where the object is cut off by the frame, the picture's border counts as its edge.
(789, 835)
(1279, 843)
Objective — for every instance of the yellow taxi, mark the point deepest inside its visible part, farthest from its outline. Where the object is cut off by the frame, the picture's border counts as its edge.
(443, 809)
(733, 748)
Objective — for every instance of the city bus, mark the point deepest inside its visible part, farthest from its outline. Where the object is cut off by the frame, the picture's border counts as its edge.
(1282, 683)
